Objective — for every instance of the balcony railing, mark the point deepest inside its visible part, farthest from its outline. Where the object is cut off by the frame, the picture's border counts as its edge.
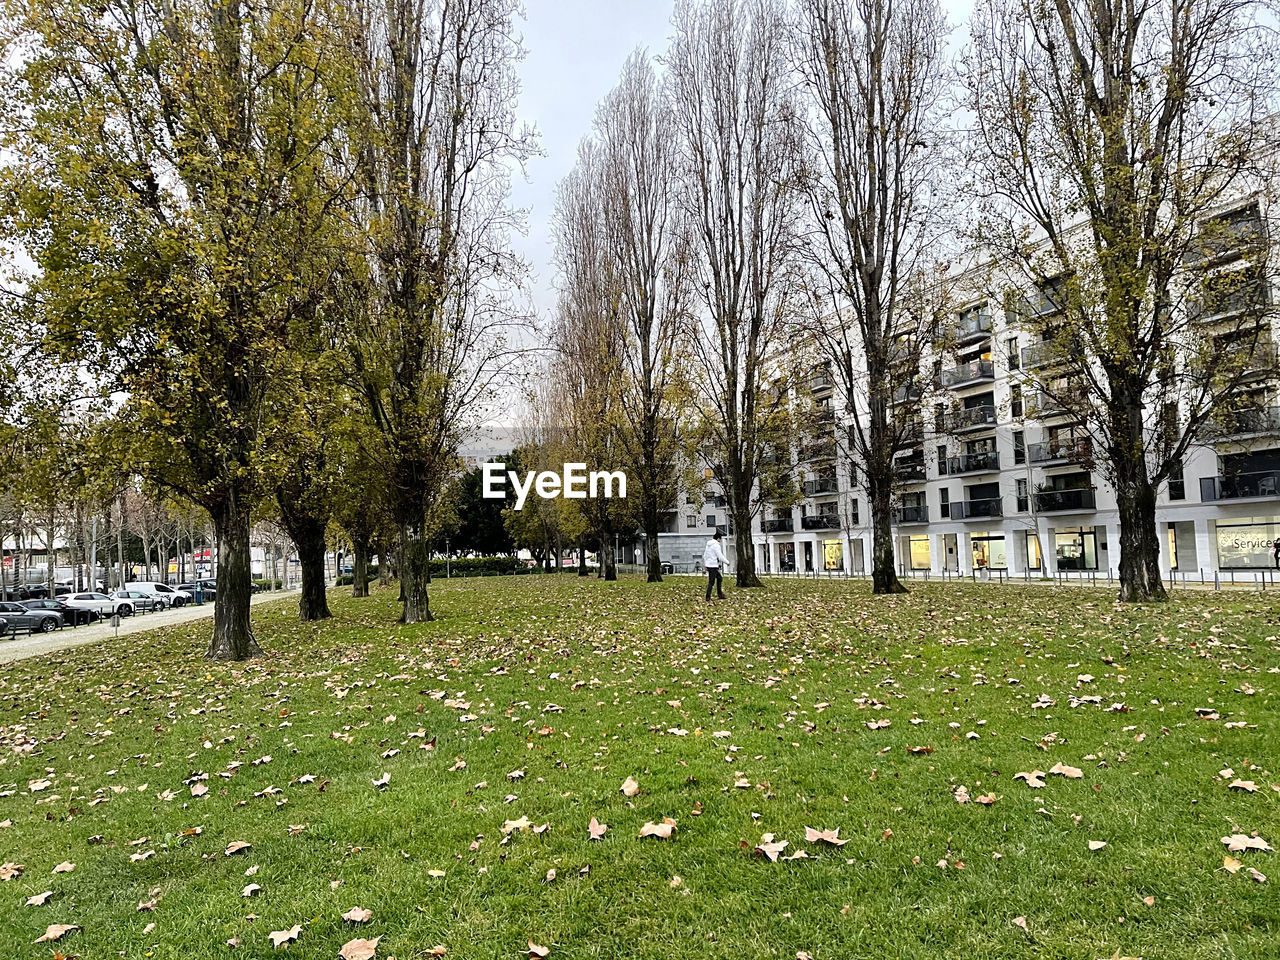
(821, 485)
(820, 521)
(970, 418)
(908, 393)
(909, 471)
(1259, 420)
(1240, 486)
(974, 463)
(1077, 499)
(973, 326)
(1048, 352)
(820, 380)
(972, 509)
(1072, 451)
(777, 525)
(1249, 354)
(976, 371)
(917, 513)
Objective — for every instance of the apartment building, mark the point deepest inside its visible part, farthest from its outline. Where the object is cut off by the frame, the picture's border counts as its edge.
(1002, 478)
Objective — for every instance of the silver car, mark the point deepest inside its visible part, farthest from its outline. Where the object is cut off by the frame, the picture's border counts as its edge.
(37, 621)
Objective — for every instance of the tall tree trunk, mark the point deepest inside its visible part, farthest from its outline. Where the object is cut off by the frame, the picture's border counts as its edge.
(415, 570)
(232, 635)
(360, 566)
(653, 553)
(884, 575)
(1139, 540)
(608, 559)
(307, 531)
(744, 561)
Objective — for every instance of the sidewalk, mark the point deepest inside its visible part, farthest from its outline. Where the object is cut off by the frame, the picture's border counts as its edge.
(36, 644)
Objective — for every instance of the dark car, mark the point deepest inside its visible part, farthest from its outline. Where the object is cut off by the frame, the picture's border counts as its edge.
(20, 618)
(72, 615)
(4, 626)
(208, 589)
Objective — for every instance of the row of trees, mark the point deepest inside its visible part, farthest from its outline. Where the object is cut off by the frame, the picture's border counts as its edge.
(786, 191)
(270, 241)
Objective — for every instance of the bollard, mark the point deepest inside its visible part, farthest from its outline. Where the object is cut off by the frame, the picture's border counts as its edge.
(1217, 585)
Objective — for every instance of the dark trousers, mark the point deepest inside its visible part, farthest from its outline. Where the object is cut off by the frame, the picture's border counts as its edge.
(715, 580)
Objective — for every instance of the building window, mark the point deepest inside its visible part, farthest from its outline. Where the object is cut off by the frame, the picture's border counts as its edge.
(1248, 545)
(833, 554)
(1015, 401)
(945, 499)
(1019, 446)
(1014, 357)
(988, 552)
(942, 460)
(1076, 549)
(691, 520)
(853, 516)
(1173, 548)
(1177, 484)
(919, 552)
(1033, 551)
(1023, 502)
(711, 519)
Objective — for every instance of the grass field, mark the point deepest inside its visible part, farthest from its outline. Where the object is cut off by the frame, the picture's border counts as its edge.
(531, 700)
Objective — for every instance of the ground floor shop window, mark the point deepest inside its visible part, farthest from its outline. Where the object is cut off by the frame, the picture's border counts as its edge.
(1173, 548)
(988, 552)
(833, 554)
(1247, 545)
(1076, 549)
(918, 548)
(1034, 562)
(786, 557)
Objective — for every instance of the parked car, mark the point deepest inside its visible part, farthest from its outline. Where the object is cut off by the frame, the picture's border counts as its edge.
(99, 603)
(72, 615)
(208, 589)
(171, 597)
(142, 602)
(4, 626)
(37, 621)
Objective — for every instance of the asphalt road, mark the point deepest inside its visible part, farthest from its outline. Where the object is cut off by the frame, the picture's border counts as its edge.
(36, 644)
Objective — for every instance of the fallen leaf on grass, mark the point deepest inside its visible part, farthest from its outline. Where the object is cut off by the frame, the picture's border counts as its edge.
(596, 829)
(56, 931)
(1257, 875)
(358, 915)
(919, 749)
(66, 866)
(11, 871)
(252, 890)
(1097, 844)
(1072, 773)
(537, 951)
(630, 787)
(825, 836)
(280, 937)
(40, 899)
(768, 847)
(511, 826)
(359, 949)
(199, 789)
(237, 846)
(1231, 864)
(1035, 778)
(1020, 922)
(1247, 785)
(1239, 841)
(662, 831)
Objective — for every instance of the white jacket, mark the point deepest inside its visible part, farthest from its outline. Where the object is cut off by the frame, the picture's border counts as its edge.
(713, 555)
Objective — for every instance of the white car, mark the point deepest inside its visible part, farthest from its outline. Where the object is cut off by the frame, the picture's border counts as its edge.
(166, 593)
(98, 602)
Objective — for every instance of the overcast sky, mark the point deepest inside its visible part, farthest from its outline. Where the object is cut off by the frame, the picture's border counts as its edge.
(576, 49)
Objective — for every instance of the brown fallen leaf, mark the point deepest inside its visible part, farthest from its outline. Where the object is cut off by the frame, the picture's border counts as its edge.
(630, 787)
(961, 794)
(358, 915)
(1247, 785)
(1034, 778)
(662, 831)
(11, 871)
(769, 847)
(66, 866)
(987, 799)
(1239, 841)
(1097, 844)
(825, 836)
(596, 829)
(40, 899)
(359, 949)
(252, 890)
(919, 749)
(1072, 773)
(1020, 922)
(280, 937)
(1258, 876)
(56, 931)
(237, 846)
(537, 951)
(511, 826)
(199, 789)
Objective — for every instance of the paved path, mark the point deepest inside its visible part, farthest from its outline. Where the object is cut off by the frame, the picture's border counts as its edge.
(36, 644)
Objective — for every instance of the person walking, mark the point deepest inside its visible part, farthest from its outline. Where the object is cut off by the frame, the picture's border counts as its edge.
(714, 560)
(1275, 552)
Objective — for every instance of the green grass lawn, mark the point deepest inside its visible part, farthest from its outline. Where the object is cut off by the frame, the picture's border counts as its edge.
(537, 697)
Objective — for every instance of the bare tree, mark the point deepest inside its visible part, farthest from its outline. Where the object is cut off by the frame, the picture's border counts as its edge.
(1108, 136)
(877, 76)
(732, 97)
(433, 144)
(650, 251)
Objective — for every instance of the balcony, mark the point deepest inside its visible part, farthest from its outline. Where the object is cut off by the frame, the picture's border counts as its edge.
(820, 380)
(973, 326)
(820, 521)
(910, 393)
(819, 451)
(1250, 355)
(1240, 486)
(909, 471)
(777, 525)
(1048, 353)
(976, 371)
(1249, 422)
(1058, 501)
(918, 513)
(821, 485)
(1075, 450)
(977, 509)
(973, 463)
(970, 418)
